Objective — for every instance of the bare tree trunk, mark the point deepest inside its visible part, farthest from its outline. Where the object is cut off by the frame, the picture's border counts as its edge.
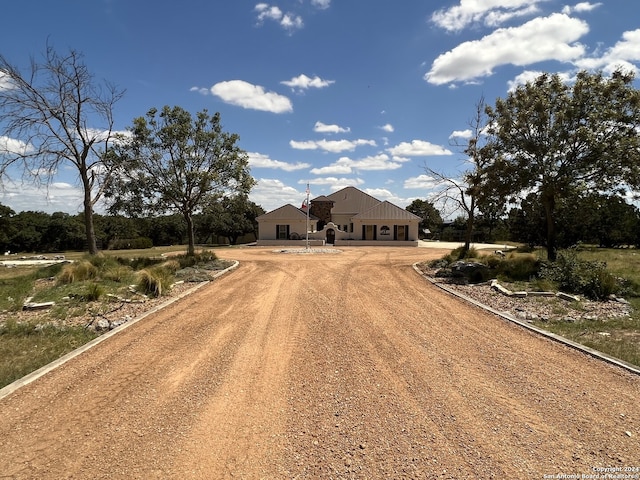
(548, 201)
(191, 247)
(468, 235)
(88, 218)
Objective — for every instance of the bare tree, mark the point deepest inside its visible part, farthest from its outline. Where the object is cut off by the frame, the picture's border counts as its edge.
(54, 114)
(462, 194)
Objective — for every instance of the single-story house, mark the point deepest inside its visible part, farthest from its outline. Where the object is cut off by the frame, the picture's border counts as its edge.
(346, 217)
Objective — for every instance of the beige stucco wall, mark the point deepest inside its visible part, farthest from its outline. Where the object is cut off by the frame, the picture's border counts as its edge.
(268, 228)
(413, 229)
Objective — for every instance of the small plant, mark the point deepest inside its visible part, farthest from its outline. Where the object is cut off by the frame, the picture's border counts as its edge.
(93, 292)
(519, 267)
(460, 254)
(117, 273)
(172, 265)
(154, 281)
(589, 278)
(77, 272)
(200, 258)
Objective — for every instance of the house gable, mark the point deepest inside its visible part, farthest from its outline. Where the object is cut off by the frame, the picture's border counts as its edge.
(286, 212)
(351, 201)
(387, 211)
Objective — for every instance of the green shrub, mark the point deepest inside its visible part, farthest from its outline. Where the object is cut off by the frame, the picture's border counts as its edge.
(139, 263)
(172, 265)
(460, 254)
(77, 272)
(93, 292)
(200, 258)
(117, 273)
(101, 261)
(519, 267)
(588, 278)
(154, 281)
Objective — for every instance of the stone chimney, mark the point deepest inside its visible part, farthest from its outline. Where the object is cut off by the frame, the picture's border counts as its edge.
(321, 208)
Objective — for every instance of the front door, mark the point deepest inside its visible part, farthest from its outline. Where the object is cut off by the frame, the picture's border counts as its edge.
(331, 236)
(369, 232)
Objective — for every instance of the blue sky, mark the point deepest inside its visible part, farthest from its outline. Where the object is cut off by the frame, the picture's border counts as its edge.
(329, 92)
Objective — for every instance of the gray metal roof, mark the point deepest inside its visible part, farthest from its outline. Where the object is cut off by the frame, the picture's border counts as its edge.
(386, 211)
(351, 200)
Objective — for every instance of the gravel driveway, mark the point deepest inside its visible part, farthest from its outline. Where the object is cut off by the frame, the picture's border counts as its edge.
(336, 365)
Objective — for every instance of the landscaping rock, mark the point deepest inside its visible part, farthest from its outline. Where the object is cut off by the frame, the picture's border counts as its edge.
(568, 297)
(474, 271)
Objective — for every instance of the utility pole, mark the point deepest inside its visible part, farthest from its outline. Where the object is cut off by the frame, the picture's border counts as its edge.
(308, 208)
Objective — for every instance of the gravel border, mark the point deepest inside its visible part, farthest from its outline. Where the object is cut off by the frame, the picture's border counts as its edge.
(307, 251)
(453, 290)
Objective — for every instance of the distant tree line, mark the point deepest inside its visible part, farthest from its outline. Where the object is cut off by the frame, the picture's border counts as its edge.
(605, 220)
(31, 231)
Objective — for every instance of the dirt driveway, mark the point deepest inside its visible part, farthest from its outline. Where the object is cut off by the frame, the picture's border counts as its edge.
(344, 365)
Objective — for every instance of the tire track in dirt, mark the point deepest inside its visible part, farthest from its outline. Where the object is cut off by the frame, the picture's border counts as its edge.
(342, 365)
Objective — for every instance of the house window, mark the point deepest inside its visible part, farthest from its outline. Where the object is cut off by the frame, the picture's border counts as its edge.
(384, 230)
(282, 232)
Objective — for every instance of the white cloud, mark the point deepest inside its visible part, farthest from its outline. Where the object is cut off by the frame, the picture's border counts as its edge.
(421, 182)
(580, 7)
(418, 148)
(55, 197)
(465, 134)
(337, 168)
(291, 22)
(247, 95)
(302, 82)
(489, 12)
(336, 183)
(259, 160)
(324, 128)
(545, 38)
(306, 145)
(288, 21)
(387, 128)
(346, 165)
(272, 193)
(334, 146)
(5, 82)
(621, 54)
(12, 146)
(321, 4)
(200, 90)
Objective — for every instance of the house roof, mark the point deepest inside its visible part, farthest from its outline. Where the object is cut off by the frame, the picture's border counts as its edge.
(321, 198)
(350, 200)
(386, 211)
(286, 212)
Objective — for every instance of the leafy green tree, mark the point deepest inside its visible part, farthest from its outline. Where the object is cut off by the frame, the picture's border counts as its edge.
(552, 138)
(174, 162)
(29, 230)
(233, 217)
(110, 228)
(617, 222)
(429, 214)
(6, 227)
(526, 222)
(164, 230)
(55, 114)
(64, 232)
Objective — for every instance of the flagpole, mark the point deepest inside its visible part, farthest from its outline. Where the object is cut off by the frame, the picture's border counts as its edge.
(308, 208)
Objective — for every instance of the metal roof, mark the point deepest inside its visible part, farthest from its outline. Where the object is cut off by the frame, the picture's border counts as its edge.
(386, 211)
